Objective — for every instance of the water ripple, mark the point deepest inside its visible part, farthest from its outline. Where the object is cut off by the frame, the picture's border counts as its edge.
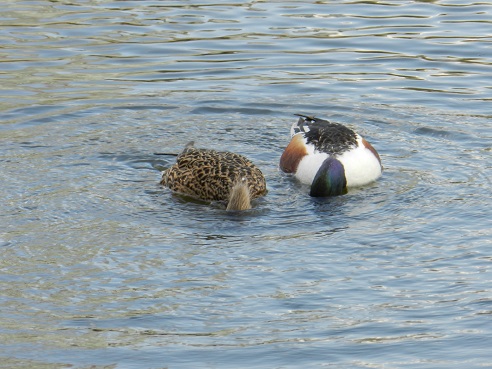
(101, 266)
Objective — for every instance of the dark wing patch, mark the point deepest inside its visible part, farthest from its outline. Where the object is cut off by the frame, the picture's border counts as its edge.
(332, 138)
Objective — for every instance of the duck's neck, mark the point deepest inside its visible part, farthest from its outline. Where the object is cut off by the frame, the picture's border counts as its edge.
(329, 180)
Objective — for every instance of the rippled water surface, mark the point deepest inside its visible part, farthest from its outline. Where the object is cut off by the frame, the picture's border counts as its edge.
(103, 268)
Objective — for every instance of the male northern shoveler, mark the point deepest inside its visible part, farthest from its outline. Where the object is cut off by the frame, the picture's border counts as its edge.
(329, 156)
(211, 175)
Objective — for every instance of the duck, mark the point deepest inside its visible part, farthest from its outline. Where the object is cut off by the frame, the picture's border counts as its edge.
(211, 175)
(329, 157)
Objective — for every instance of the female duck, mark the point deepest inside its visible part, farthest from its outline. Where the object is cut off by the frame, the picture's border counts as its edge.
(211, 175)
(329, 156)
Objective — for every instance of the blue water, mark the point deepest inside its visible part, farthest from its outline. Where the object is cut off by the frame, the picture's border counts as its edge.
(101, 267)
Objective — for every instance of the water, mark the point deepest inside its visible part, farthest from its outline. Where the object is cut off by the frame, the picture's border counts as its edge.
(103, 268)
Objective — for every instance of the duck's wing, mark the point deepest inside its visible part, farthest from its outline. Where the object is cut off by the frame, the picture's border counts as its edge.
(331, 138)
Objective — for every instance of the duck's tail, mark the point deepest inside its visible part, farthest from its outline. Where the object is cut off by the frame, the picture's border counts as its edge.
(240, 197)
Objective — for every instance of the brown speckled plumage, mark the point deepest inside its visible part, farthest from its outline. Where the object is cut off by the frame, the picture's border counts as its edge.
(210, 175)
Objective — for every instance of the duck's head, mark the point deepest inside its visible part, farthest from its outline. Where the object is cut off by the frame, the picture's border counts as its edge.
(329, 180)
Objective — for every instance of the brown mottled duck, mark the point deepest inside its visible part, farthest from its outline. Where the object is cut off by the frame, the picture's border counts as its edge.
(211, 175)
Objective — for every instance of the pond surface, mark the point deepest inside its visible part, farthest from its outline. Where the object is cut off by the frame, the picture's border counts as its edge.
(101, 267)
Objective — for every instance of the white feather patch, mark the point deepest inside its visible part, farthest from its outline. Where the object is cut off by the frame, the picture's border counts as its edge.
(309, 166)
(295, 129)
(361, 166)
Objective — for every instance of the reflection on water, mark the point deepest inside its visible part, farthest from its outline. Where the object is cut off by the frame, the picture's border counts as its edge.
(418, 53)
(102, 267)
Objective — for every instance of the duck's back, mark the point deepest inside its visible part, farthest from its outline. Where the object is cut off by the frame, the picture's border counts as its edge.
(209, 175)
(330, 138)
